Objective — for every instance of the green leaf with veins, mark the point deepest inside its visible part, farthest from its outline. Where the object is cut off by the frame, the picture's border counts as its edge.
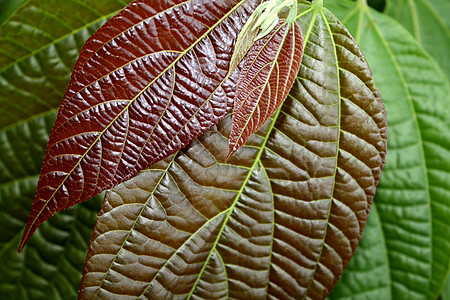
(413, 199)
(7, 7)
(39, 45)
(51, 266)
(442, 8)
(38, 49)
(280, 220)
(367, 274)
(425, 20)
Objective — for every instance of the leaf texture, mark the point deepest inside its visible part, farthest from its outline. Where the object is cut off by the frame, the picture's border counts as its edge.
(36, 59)
(281, 220)
(268, 73)
(149, 81)
(446, 291)
(50, 267)
(422, 18)
(413, 199)
(366, 275)
(39, 46)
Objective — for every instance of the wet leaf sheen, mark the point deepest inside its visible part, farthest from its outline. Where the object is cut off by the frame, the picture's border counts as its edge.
(147, 83)
(280, 220)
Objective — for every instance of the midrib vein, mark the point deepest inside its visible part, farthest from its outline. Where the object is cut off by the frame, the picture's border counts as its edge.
(230, 209)
(219, 21)
(319, 257)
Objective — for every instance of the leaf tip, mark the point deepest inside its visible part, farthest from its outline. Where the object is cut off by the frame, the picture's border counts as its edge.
(25, 237)
(230, 154)
(233, 147)
(33, 223)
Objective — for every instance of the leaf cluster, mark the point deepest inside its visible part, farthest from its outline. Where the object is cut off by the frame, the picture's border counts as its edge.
(404, 251)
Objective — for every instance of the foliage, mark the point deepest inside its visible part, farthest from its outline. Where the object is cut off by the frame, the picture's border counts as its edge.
(283, 216)
(141, 90)
(404, 249)
(413, 200)
(7, 7)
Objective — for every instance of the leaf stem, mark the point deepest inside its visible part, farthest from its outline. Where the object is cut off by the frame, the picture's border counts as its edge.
(362, 3)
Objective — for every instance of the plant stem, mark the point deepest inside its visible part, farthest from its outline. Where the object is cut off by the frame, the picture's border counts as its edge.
(362, 3)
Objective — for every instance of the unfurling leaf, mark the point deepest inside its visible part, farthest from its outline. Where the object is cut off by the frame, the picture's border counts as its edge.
(262, 21)
(147, 83)
(281, 220)
(267, 75)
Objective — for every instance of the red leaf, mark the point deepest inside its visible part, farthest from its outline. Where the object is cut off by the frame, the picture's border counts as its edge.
(267, 75)
(148, 82)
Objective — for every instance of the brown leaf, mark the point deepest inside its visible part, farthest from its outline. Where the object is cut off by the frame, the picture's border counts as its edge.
(281, 220)
(147, 83)
(267, 75)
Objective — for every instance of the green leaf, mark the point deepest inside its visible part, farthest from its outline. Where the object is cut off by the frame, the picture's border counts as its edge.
(280, 220)
(427, 21)
(36, 59)
(137, 95)
(7, 7)
(38, 49)
(51, 266)
(267, 75)
(413, 199)
(446, 291)
(367, 274)
(442, 8)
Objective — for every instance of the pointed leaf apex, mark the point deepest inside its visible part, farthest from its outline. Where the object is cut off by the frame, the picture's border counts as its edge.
(127, 105)
(267, 75)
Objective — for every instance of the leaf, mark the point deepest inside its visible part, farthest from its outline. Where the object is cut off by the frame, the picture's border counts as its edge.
(280, 220)
(366, 274)
(268, 73)
(260, 23)
(39, 47)
(249, 32)
(422, 19)
(245, 39)
(446, 292)
(413, 199)
(442, 8)
(50, 267)
(7, 7)
(149, 81)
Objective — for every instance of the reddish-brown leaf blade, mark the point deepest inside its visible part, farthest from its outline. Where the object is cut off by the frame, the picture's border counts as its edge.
(149, 81)
(267, 75)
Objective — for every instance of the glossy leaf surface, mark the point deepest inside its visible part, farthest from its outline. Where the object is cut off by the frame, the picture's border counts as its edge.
(147, 83)
(413, 198)
(35, 68)
(39, 47)
(428, 21)
(268, 73)
(280, 220)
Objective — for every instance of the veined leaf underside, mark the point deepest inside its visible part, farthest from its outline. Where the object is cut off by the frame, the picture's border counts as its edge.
(268, 73)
